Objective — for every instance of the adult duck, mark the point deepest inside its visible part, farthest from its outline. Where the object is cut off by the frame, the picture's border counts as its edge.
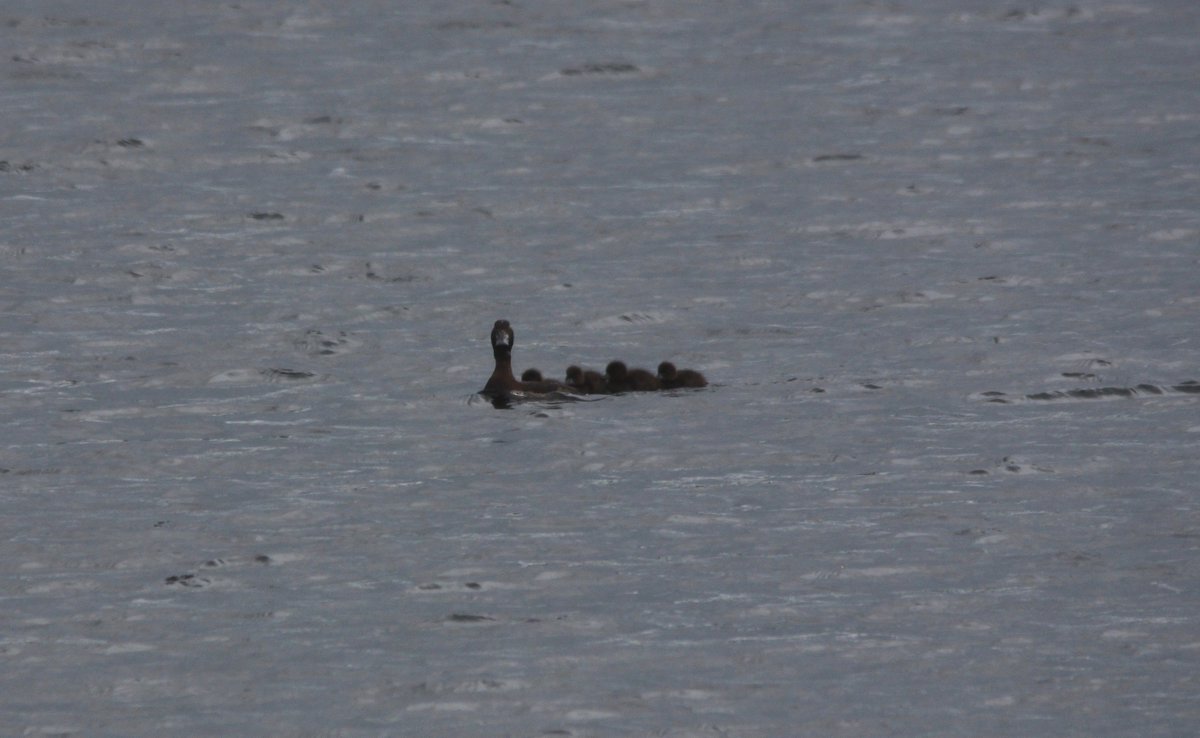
(502, 385)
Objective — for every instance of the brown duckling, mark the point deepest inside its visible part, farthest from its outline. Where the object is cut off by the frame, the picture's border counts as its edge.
(622, 379)
(586, 381)
(671, 378)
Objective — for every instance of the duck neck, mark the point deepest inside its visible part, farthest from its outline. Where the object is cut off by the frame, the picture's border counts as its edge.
(502, 376)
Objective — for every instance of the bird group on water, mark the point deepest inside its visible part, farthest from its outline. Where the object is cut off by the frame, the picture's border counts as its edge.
(617, 377)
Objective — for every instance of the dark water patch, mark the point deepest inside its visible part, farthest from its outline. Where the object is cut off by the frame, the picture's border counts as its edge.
(128, 142)
(314, 342)
(473, 25)
(1016, 15)
(54, 21)
(1016, 465)
(290, 375)
(1097, 393)
(29, 472)
(640, 318)
(1089, 394)
(1190, 387)
(8, 166)
(836, 157)
(606, 68)
(371, 273)
(1011, 465)
(1075, 558)
(462, 617)
(976, 532)
(188, 580)
(1085, 394)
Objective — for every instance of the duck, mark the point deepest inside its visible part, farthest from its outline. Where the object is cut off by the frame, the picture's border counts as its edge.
(502, 384)
(531, 375)
(586, 381)
(622, 379)
(671, 378)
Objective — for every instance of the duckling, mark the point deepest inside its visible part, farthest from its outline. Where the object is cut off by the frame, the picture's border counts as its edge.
(670, 378)
(586, 381)
(622, 379)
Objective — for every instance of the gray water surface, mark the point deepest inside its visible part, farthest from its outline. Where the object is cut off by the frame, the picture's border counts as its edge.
(939, 260)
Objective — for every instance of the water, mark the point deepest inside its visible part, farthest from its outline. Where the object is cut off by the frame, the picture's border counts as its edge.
(252, 254)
